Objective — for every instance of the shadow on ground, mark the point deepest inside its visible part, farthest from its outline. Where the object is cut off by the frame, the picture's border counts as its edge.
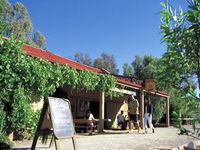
(28, 148)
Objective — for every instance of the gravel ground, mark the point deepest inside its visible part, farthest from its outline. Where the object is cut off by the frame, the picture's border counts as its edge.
(163, 138)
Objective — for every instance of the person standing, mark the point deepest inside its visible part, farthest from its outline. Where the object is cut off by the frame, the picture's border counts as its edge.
(148, 111)
(133, 108)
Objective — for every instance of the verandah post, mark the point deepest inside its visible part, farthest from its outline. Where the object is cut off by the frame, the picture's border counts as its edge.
(101, 111)
(142, 109)
(167, 112)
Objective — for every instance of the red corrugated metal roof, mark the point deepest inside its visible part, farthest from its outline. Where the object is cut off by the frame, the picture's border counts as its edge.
(161, 92)
(129, 83)
(40, 53)
(139, 86)
(37, 52)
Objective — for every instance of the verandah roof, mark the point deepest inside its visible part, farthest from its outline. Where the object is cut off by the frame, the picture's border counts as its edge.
(40, 53)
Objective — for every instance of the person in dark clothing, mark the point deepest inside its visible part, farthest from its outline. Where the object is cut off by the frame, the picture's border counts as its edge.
(121, 120)
(148, 111)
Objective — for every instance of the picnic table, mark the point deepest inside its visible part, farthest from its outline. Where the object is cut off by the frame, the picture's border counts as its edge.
(87, 125)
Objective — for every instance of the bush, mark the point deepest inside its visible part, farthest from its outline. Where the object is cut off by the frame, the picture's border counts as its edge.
(31, 124)
(159, 110)
(4, 141)
(2, 118)
(193, 112)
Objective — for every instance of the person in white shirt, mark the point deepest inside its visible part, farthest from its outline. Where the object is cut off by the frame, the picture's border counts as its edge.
(89, 116)
(148, 111)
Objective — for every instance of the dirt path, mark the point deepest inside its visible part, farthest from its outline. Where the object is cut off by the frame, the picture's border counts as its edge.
(115, 140)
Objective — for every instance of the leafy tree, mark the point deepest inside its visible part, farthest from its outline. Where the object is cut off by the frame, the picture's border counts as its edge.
(192, 110)
(127, 70)
(15, 20)
(181, 33)
(181, 62)
(146, 67)
(159, 105)
(3, 25)
(19, 22)
(107, 62)
(99, 63)
(39, 39)
(83, 59)
(137, 66)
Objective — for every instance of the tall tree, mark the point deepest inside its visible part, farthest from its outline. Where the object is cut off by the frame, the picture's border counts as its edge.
(181, 62)
(83, 59)
(19, 22)
(15, 20)
(127, 70)
(3, 25)
(99, 63)
(39, 39)
(181, 33)
(107, 62)
(146, 67)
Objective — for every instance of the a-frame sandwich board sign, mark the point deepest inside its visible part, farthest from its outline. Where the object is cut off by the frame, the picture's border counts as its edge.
(56, 117)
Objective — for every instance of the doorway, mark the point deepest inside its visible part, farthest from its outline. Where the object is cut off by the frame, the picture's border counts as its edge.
(94, 108)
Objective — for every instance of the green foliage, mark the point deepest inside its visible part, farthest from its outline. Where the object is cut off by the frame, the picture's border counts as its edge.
(181, 33)
(3, 25)
(20, 23)
(107, 62)
(19, 114)
(181, 63)
(137, 66)
(194, 114)
(180, 102)
(159, 105)
(4, 141)
(88, 80)
(31, 125)
(127, 70)
(15, 20)
(2, 118)
(39, 39)
(83, 59)
(146, 67)
(106, 82)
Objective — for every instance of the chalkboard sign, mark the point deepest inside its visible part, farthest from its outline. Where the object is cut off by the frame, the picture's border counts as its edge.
(61, 116)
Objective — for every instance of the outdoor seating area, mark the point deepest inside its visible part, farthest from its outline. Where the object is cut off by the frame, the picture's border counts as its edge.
(83, 125)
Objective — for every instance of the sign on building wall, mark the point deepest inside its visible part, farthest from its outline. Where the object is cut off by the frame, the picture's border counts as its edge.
(150, 84)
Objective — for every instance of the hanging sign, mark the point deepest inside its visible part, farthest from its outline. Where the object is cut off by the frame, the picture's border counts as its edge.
(150, 84)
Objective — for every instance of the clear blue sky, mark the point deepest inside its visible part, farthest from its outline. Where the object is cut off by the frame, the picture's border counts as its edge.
(123, 28)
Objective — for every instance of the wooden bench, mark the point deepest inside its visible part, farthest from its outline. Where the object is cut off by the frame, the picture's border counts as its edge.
(88, 125)
(188, 120)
